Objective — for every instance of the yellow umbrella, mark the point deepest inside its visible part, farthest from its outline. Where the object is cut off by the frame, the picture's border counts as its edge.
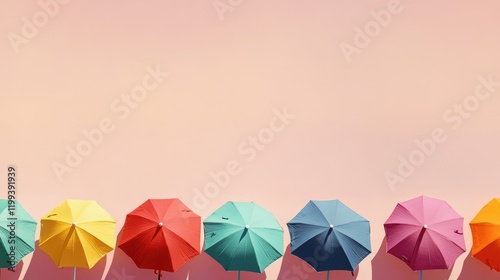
(77, 233)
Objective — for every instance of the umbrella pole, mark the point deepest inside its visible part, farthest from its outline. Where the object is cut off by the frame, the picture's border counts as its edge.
(238, 275)
(74, 273)
(328, 275)
(421, 275)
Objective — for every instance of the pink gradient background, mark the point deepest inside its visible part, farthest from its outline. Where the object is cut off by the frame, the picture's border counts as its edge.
(353, 120)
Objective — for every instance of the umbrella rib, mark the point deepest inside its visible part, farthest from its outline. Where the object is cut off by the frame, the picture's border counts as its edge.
(260, 244)
(180, 237)
(135, 239)
(445, 237)
(408, 213)
(188, 219)
(140, 235)
(232, 258)
(97, 221)
(440, 253)
(422, 207)
(7, 232)
(141, 217)
(80, 236)
(402, 239)
(480, 250)
(268, 228)
(18, 240)
(343, 250)
(402, 224)
(67, 204)
(54, 234)
(417, 245)
(26, 221)
(299, 246)
(449, 209)
(233, 252)
(215, 218)
(484, 245)
(320, 212)
(263, 217)
(448, 220)
(351, 222)
(270, 245)
(254, 244)
(65, 243)
(349, 237)
(355, 241)
(79, 243)
(171, 264)
(253, 211)
(87, 232)
(19, 221)
(305, 224)
(87, 205)
(225, 222)
(222, 240)
(24, 242)
(180, 208)
(485, 223)
(239, 212)
(154, 213)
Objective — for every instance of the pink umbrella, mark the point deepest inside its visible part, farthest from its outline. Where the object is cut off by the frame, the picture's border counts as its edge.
(426, 233)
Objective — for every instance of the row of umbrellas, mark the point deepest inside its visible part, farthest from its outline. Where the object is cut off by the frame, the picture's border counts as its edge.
(163, 234)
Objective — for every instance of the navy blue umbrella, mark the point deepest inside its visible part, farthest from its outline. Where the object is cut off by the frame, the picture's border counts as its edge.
(328, 235)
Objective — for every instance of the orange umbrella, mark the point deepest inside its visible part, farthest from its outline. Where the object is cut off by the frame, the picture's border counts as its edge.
(486, 234)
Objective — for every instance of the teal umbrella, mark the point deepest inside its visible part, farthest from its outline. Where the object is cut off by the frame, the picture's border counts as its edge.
(17, 233)
(242, 236)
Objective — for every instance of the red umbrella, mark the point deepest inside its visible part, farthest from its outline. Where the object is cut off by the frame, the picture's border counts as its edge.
(161, 234)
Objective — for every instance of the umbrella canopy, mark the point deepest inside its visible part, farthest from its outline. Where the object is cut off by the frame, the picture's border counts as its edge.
(161, 234)
(425, 233)
(243, 236)
(17, 230)
(485, 229)
(328, 235)
(77, 233)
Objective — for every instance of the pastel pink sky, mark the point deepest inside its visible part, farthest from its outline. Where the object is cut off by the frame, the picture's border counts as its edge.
(352, 120)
